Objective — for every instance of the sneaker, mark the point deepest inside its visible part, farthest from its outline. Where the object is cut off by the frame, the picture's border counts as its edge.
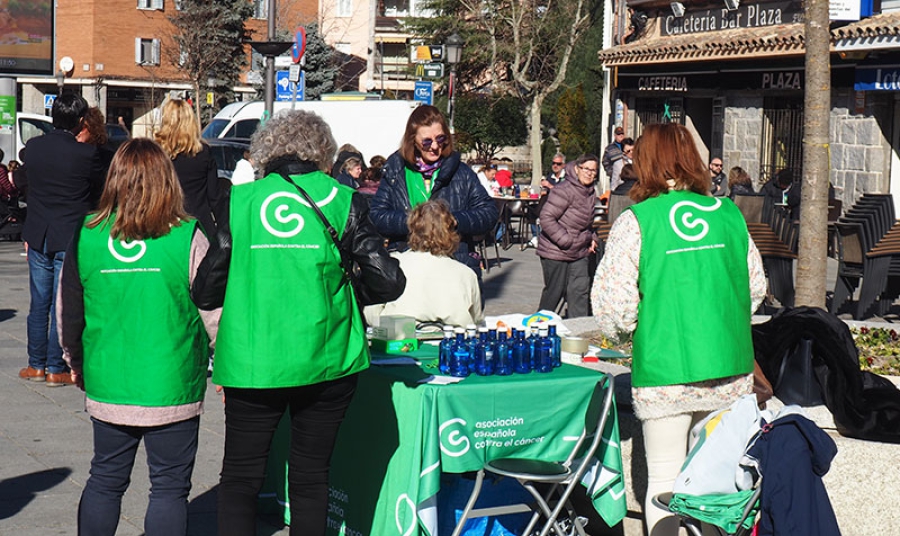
(32, 374)
(533, 242)
(59, 379)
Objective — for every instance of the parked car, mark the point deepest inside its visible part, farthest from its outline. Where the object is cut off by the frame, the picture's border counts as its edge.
(227, 152)
(117, 135)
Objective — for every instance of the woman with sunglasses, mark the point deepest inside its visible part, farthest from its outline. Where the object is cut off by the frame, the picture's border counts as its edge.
(427, 168)
(566, 239)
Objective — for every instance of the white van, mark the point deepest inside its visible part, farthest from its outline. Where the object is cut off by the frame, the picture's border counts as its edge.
(374, 127)
(29, 126)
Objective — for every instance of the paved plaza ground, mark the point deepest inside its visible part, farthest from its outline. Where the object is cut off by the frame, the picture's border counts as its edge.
(45, 435)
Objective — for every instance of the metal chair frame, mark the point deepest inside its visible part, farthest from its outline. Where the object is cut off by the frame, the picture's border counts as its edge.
(562, 477)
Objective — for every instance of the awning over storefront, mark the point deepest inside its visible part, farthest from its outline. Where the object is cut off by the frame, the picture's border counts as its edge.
(880, 31)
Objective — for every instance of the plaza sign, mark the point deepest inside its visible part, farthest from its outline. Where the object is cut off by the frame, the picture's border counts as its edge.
(746, 16)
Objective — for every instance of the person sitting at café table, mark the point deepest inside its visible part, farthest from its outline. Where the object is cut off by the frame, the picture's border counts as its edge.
(504, 178)
(439, 290)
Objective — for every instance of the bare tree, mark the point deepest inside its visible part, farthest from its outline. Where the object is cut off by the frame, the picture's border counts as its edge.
(811, 264)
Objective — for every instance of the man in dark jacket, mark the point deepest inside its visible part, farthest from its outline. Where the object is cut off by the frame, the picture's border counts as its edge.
(62, 180)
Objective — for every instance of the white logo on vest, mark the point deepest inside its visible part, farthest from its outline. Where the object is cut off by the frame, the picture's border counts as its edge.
(283, 215)
(455, 439)
(129, 246)
(689, 222)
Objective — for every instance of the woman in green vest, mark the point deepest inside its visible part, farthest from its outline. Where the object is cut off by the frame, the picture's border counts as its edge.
(681, 275)
(291, 337)
(135, 342)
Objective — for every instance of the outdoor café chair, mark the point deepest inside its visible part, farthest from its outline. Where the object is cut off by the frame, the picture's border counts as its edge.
(550, 483)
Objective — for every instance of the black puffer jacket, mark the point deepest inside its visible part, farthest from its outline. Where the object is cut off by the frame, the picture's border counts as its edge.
(456, 183)
(380, 278)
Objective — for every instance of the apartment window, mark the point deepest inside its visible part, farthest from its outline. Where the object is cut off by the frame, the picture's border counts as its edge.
(179, 5)
(260, 9)
(150, 4)
(344, 8)
(146, 51)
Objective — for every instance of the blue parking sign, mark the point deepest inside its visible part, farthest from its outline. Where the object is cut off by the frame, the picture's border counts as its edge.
(424, 92)
(284, 88)
(48, 101)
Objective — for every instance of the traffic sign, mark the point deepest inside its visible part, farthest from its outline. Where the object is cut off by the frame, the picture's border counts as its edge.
(299, 47)
(433, 70)
(48, 101)
(284, 88)
(424, 92)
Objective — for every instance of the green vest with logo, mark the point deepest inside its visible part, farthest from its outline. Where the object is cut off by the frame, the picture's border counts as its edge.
(144, 341)
(693, 320)
(289, 316)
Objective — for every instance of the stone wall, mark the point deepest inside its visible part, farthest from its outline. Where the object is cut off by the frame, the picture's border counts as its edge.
(859, 151)
(743, 128)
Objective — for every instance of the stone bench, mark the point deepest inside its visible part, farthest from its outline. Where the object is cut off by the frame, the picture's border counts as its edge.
(862, 483)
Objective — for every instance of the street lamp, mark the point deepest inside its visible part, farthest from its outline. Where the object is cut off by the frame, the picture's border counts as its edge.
(453, 48)
(270, 48)
(60, 81)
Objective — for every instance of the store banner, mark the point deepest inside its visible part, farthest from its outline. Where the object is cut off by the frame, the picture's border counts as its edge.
(877, 79)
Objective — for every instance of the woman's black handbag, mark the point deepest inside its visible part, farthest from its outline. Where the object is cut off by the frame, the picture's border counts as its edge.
(797, 382)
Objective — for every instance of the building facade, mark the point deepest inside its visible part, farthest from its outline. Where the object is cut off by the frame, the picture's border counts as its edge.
(733, 74)
(122, 56)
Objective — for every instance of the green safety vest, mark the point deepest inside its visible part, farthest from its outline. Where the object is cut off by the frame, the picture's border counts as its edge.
(144, 341)
(289, 316)
(693, 320)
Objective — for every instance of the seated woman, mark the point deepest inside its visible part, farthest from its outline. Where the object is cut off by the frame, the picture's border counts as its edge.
(439, 289)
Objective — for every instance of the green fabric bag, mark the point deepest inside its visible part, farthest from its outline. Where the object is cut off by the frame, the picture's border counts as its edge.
(723, 511)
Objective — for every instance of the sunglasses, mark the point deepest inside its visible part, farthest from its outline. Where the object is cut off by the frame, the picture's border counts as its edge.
(557, 163)
(627, 152)
(439, 141)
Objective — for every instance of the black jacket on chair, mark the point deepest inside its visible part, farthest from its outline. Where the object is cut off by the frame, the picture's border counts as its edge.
(62, 180)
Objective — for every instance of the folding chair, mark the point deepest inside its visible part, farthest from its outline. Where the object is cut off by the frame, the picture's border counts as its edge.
(558, 479)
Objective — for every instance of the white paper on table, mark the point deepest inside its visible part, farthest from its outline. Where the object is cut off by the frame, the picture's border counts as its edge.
(441, 380)
(517, 320)
(395, 361)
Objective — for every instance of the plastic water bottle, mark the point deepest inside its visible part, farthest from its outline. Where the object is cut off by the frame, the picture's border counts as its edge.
(484, 354)
(543, 361)
(555, 345)
(471, 339)
(502, 357)
(532, 339)
(445, 349)
(521, 354)
(459, 357)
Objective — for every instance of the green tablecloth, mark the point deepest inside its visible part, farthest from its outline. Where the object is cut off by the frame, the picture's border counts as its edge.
(399, 435)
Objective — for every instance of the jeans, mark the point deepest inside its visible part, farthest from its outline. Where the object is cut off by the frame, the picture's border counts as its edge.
(171, 450)
(44, 351)
(251, 417)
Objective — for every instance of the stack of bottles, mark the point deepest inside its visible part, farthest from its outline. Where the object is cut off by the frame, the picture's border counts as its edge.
(486, 352)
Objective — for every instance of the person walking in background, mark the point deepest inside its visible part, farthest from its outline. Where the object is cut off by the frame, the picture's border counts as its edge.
(719, 186)
(292, 337)
(344, 152)
(350, 172)
(439, 290)
(739, 183)
(426, 167)
(179, 136)
(8, 190)
(139, 238)
(60, 177)
(613, 151)
(567, 240)
(616, 178)
(693, 351)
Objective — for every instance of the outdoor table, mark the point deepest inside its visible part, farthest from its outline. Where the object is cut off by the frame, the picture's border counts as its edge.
(399, 435)
(503, 208)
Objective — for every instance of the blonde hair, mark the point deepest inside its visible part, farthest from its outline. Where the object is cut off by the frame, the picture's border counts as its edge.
(142, 197)
(432, 228)
(179, 132)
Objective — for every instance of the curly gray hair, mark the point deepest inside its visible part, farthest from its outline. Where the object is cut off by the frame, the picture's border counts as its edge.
(298, 133)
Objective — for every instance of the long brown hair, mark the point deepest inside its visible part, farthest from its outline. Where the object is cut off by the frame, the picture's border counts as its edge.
(432, 228)
(423, 116)
(667, 152)
(142, 198)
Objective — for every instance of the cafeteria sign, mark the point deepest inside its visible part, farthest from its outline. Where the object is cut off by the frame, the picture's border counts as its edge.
(877, 79)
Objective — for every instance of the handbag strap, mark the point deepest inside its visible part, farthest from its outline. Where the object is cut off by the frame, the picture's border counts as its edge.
(348, 270)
